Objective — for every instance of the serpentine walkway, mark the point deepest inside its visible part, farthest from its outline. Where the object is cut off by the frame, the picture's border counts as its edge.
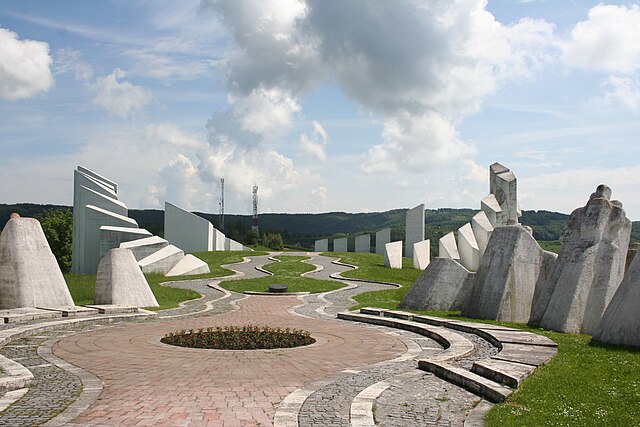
(121, 374)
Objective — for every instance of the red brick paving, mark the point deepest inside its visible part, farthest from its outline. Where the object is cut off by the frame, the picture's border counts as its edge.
(149, 383)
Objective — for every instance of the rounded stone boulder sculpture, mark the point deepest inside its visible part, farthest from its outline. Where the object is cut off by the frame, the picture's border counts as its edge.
(120, 281)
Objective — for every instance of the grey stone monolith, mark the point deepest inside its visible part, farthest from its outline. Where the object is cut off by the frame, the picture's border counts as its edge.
(620, 322)
(120, 281)
(443, 285)
(414, 229)
(29, 273)
(589, 269)
(512, 270)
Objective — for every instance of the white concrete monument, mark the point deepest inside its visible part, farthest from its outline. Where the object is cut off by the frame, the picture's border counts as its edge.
(112, 237)
(142, 248)
(120, 281)
(321, 245)
(189, 265)
(414, 228)
(447, 247)
(340, 245)
(491, 208)
(29, 273)
(187, 230)
(393, 254)
(503, 185)
(363, 243)
(232, 245)
(468, 248)
(482, 230)
(161, 261)
(382, 238)
(421, 254)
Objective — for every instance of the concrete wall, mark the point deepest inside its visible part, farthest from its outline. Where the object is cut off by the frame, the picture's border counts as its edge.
(321, 245)
(393, 254)
(340, 245)
(363, 243)
(186, 230)
(414, 229)
(382, 238)
(421, 254)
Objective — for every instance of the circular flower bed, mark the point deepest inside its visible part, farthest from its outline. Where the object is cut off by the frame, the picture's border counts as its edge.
(240, 338)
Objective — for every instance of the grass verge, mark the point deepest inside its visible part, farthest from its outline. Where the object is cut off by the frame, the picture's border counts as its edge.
(286, 272)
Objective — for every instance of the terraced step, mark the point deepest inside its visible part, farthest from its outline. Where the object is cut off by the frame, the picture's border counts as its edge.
(161, 261)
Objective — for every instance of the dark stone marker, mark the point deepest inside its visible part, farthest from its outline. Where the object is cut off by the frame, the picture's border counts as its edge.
(278, 289)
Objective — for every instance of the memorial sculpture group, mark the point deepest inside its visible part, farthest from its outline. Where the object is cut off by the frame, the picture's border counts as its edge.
(497, 270)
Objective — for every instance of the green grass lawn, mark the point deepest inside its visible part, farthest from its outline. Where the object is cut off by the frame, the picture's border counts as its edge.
(286, 272)
(82, 286)
(586, 384)
(371, 267)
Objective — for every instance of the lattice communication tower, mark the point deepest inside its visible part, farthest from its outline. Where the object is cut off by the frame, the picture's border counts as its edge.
(254, 219)
(222, 204)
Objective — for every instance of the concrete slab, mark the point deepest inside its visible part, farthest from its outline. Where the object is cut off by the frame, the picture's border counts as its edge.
(520, 337)
(25, 314)
(421, 254)
(189, 265)
(142, 248)
(447, 247)
(363, 243)
(161, 261)
(468, 248)
(187, 230)
(502, 372)
(382, 238)
(340, 245)
(321, 245)
(533, 355)
(71, 311)
(393, 254)
(114, 308)
(414, 229)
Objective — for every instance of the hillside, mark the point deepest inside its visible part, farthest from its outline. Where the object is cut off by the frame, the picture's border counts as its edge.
(304, 229)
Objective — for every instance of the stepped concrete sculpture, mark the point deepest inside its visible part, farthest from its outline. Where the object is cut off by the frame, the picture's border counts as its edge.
(189, 265)
(232, 245)
(142, 248)
(112, 237)
(421, 254)
(29, 273)
(633, 250)
(512, 272)
(468, 248)
(491, 208)
(393, 254)
(187, 230)
(119, 281)
(482, 230)
(620, 322)
(590, 266)
(161, 261)
(414, 229)
(321, 245)
(340, 245)
(219, 240)
(443, 285)
(503, 185)
(447, 247)
(363, 243)
(382, 238)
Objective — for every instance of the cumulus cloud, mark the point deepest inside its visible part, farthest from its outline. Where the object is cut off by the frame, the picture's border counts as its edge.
(25, 67)
(119, 98)
(67, 60)
(623, 90)
(314, 143)
(172, 135)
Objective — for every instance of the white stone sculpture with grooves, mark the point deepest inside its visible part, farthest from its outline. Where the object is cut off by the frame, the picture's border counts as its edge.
(491, 208)
(482, 230)
(503, 185)
(29, 273)
(447, 247)
(620, 323)
(414, 229)
(363, 243)
(340, 245)
(589, 269)
(382, 238)
(468, 248)
(187, 230)
(120, 281)
(421, 254)
(321, 245)
(393, 254)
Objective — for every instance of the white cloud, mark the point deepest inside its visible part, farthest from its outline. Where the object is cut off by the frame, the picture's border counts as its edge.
(314, 143)
(623, 91)
(25, 67)
(265, 112)
(171, 134)
(67, 60)
(119, 98)
(609, 40)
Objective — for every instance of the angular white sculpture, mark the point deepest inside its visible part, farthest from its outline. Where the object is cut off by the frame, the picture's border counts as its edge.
(414, 228)
(363, 243)
(142, 248)
(589, 269)
(187, 230)
(447, 247)
(482, 230)
(120, 281)
(189, 265)
(513, 270)
(382, 238)
(503, 185)
(468, 248)
(321, 245)
(232, 245)
(393, 254)
(218, 240)
(161, 261)
(620, 323)
(491, 208)
(112, 237)
(421, 254)
(443, 285)
(29, 273)
(340, 245)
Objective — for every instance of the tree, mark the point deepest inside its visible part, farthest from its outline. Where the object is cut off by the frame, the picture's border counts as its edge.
(272, 241)
(57, 225)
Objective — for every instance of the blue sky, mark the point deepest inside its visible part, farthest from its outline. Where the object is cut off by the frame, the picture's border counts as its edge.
(326, 105)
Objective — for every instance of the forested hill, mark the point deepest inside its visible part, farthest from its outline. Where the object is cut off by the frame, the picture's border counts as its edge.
(304, 229)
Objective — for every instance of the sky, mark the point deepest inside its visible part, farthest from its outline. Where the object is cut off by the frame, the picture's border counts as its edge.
(325, 105)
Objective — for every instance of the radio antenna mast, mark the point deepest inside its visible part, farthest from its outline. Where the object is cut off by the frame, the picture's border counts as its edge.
(222, 204)
(254, 220)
